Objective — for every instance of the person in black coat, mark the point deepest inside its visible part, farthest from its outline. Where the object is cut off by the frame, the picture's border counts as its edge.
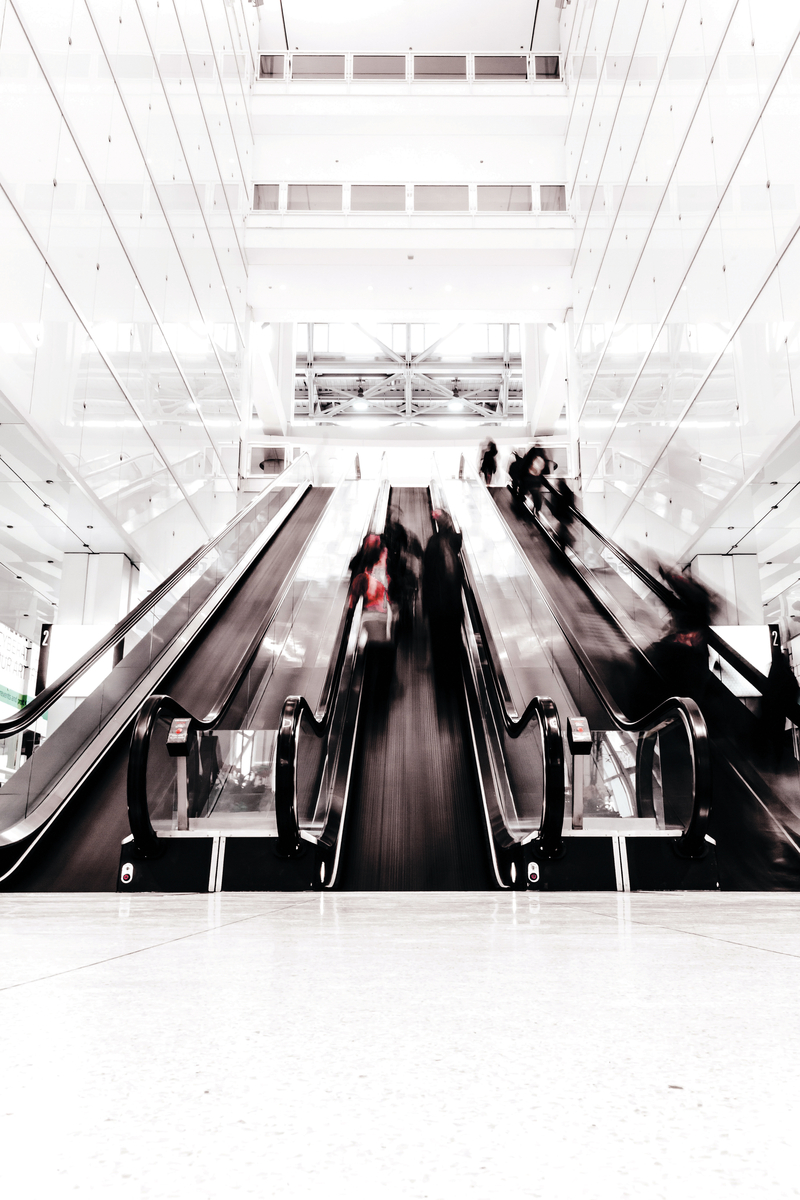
(488, 467)
(561, 502)
(779, 697)
(442, 598)
(527, 474)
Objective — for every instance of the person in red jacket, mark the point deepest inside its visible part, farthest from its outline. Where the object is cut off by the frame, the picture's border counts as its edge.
(371, 580)
(372, 584)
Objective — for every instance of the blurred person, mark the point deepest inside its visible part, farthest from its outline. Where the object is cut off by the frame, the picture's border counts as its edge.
(561, 502)
(371, 578)
(442, 599)
(488, 467)
(779, 696)
(365, 554)
(682, 654)
(371, 584)
(404, 554)
(527, 477)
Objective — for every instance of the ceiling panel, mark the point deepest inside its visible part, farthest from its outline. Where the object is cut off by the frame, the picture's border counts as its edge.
(397, 26)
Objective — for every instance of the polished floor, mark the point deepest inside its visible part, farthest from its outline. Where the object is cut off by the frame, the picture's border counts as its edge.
(400, 1045)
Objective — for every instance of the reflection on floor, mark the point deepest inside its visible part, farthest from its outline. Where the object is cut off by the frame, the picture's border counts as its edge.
(400, 1045)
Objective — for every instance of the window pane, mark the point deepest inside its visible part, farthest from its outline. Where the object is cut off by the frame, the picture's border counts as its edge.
(439, 66)
(441, 198)
(321, 197)
(584, 67)
(547, 66)
(501, 66)
(699, 197)
(553, 197)
(379, 66)
(318, 66)
(265, 196)
(270, 66)
(506, 198)
(370, 197)
(641, 66)
(640, 197)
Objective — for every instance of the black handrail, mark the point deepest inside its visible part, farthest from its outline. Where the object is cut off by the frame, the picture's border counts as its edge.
(146, 841)
(542, 707)
(145, 838)
(732, 656)
(297, 707)
(48, 696)
(294, 709)
(156, 706)
(692, 843)
(546, 712)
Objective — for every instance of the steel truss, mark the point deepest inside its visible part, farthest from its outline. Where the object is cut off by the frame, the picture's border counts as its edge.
(405, 388)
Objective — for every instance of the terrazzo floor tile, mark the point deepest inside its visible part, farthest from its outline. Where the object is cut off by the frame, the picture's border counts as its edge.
(410, 1045)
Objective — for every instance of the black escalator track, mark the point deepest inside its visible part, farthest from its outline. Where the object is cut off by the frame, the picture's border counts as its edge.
(80, 852)
(756, 832)
(414, 820)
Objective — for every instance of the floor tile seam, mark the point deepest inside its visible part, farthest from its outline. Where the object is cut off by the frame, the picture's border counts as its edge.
(144, 949)
(709, 937)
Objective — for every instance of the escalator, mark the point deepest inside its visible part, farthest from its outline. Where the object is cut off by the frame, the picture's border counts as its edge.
(63, 814)
(611, 608)
(366, 787)
(414, 820)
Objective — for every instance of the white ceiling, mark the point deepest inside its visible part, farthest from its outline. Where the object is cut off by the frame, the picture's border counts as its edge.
(397, 26)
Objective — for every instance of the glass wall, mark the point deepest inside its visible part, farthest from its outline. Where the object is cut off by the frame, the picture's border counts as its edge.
(125, 162)
(686, 188)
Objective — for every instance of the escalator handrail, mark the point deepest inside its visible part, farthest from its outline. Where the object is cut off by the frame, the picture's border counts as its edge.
(293, 710)
(296, 707)
(692, 844)
(545, 711)
(732, 656)
(543, 708)
(156, 706)
(34, 709)
(146, 840)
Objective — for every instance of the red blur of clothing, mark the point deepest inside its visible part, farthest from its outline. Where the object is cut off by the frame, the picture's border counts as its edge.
(373, 585)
